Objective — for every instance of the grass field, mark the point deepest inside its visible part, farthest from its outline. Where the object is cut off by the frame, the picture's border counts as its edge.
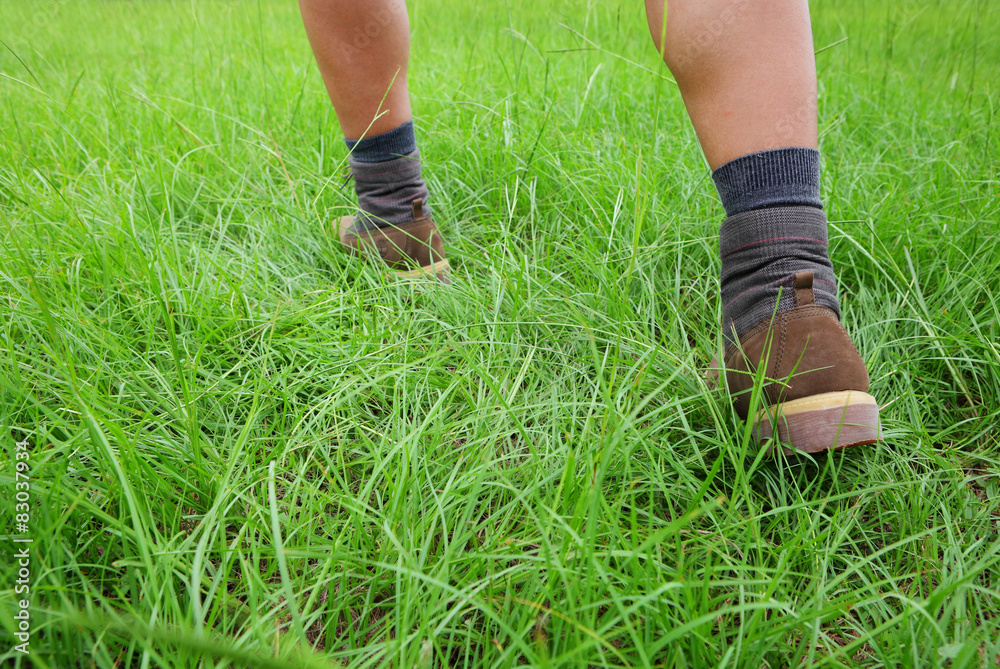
(245, 448)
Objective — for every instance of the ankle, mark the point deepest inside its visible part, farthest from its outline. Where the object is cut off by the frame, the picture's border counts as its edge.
(387, 178)
(776, 228)
(762, 250)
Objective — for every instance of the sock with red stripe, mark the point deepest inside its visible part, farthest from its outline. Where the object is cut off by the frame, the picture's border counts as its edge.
(775, 228)
(387, 178)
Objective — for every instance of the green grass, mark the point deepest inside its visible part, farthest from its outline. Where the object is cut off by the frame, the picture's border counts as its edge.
(247, 449)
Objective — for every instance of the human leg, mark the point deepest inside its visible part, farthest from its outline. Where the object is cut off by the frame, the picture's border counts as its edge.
(362, 50)
(745, 69)
(746, 72)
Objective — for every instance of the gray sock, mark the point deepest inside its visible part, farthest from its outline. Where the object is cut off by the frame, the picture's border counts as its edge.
(761, 251)
(380, 148)
(769, 179)
(386, 170)
(776, 227)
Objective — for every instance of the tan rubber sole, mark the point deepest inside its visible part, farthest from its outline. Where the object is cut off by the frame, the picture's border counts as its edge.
(821, 422)
(343, 223)
(439, 270)
(436, 271)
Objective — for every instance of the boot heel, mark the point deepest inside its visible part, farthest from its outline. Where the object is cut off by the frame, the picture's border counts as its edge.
(821, 422)
(411, 250)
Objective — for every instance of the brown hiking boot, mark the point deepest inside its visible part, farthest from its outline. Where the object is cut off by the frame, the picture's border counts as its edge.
(815, 392)
(411, 250)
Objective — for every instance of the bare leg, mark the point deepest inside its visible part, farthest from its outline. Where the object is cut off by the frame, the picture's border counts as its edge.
(745, 69)
(362, 48)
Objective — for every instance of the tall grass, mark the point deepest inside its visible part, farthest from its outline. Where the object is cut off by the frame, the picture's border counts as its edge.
(249, 449)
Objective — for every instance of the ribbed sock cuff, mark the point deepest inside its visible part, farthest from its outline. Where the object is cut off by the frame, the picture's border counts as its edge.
(380, 148)
(778, 177)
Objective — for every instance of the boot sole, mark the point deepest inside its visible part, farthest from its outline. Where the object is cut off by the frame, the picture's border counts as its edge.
(821, 422)
(439, 270)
